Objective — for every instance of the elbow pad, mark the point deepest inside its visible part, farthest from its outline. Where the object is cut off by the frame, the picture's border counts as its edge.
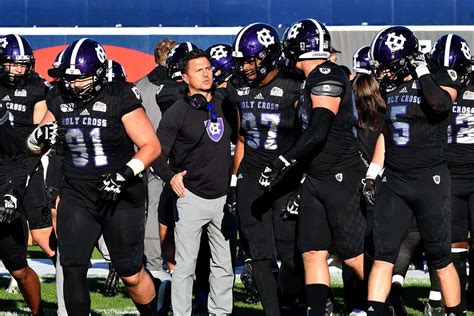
(315, 136)
(437, 99)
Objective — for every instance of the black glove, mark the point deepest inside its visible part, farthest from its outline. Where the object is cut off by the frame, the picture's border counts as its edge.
(8, 206)
(369, 191)
(114, 183)
(231, 201)
(290, 212)
(274, 173)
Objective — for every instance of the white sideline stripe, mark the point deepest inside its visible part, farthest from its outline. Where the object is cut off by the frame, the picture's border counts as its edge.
(231, 30)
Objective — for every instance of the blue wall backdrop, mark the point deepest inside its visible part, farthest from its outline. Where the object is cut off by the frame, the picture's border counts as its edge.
(23, 13)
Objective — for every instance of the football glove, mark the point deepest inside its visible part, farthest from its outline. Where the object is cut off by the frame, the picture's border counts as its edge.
(419, 64)
(231, 201)
(114, 183)
(274, 173)
(8, 206)
(290, 212)
(369, 191)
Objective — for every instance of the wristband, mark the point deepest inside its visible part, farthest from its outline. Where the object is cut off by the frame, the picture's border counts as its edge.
(136, 165)
(373, 171)
(422, 70)
(233, 180)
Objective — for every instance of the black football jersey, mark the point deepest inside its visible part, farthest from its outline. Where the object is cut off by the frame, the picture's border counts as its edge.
(169, 91)
(20, 101)
(340, 150)
(267, 119)
(415, 138)
(95, 141)
(460, 154)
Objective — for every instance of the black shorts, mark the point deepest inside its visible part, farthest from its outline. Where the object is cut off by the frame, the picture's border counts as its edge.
(462, 207)
(13, 244)
(259, 213)
(35, 201)
(83, 217)
(167, 207)
(331, 210)
(425, 195)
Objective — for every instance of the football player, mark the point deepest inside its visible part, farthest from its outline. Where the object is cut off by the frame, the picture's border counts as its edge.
(329, 207)
(416, 181)
(266, 100)
(23, 92)
(452, 51)
(102, 192)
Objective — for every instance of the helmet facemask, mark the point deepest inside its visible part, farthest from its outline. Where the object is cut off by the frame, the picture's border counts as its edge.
(14, 79)
(86, 92)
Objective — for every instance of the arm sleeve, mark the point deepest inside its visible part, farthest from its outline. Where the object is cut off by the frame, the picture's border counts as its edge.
(437, 99)
(167, 132)
(315, 136)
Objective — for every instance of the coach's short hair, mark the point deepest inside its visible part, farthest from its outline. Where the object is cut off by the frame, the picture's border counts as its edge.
(194, 54)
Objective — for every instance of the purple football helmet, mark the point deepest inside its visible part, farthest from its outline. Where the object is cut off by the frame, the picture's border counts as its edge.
(361, 61)
(175, 56)
(452, 51)
(15, 49)
(257, 41)
(390, 52)
(222, 63)
(306, 39)
(115, 71)
(82, 59)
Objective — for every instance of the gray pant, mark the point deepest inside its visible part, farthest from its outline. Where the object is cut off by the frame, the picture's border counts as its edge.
(154, 261)
(195, 212)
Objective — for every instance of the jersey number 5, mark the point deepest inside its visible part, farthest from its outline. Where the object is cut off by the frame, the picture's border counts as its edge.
(401, 130)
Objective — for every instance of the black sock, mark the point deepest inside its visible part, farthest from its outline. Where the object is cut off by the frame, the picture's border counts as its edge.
(435, 304)
(375, 308)
(470, 291)
(317, 296)
(148, 309)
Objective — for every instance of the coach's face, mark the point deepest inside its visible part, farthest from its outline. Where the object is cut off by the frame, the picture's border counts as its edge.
(199, 74)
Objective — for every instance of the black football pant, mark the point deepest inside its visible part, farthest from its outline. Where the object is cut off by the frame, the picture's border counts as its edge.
(269, 238)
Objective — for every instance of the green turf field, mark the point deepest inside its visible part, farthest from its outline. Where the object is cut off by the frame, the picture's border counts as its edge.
(416, 292)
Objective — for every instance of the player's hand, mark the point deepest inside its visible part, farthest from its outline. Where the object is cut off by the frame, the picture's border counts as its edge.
(114, 183)
(419, 64)
(274, 173)
(8, 206)
(231, 201)
(369, 191)
(291, 211)
(177, 183)
(48, 133)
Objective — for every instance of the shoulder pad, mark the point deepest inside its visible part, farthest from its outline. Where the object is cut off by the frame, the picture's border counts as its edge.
(328, 88)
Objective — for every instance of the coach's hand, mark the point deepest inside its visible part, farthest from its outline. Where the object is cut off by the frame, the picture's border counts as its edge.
(114, 183)
(177, 183)
(274, 173)
(8, 205)
(369, 191)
